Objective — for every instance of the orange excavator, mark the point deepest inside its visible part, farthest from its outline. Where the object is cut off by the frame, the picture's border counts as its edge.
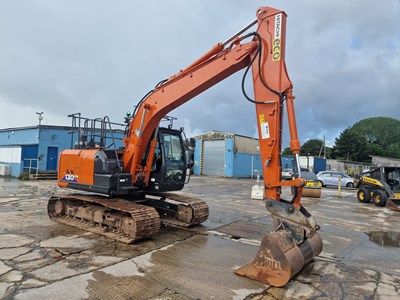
(131, 188)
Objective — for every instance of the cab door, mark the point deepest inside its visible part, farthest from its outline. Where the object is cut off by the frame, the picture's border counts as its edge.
(169, 163)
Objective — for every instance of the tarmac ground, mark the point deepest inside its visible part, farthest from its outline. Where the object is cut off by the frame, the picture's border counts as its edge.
(41, 259)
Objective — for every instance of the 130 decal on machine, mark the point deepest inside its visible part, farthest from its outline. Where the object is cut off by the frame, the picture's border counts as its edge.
(69, 176)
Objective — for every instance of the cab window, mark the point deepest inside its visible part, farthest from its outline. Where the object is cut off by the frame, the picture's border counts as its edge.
(172, 147)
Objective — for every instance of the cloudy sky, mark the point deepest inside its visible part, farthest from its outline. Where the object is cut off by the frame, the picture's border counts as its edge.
(100, 57)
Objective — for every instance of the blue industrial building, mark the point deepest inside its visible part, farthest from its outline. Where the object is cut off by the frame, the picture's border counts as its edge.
(230, 155)
(37, 148)
(287, 162)
(27, 149)
(311, 163)
(226, 154)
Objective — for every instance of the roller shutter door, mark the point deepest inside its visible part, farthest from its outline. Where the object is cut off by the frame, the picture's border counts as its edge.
(213, 157)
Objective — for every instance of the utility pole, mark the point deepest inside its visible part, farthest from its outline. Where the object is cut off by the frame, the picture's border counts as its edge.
(322, 148)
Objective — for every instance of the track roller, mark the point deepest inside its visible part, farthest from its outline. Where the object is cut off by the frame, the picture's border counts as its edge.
(115, 218)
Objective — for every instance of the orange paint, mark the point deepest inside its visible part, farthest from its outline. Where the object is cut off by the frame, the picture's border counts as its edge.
(76, 166)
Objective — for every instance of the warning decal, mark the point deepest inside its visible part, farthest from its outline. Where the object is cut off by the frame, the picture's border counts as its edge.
(264, 127)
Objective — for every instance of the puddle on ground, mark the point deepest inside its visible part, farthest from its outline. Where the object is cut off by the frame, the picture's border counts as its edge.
(385, 238)
(10, 181)
(5, 179)
(7, 209)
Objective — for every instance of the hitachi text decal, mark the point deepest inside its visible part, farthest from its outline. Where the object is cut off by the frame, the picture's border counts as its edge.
(276, 43)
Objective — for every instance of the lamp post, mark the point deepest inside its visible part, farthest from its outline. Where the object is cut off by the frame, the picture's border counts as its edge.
(40, 123)
(40, 117)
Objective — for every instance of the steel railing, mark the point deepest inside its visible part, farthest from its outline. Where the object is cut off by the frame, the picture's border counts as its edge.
(31, 165)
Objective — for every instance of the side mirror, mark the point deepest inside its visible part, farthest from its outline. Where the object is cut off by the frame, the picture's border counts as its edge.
(188, 160)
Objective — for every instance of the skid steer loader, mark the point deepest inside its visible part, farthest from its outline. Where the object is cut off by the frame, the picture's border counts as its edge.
(381, 185)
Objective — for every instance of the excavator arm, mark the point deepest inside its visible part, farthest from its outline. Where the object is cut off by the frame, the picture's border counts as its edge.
(177, 90)
(294, 242)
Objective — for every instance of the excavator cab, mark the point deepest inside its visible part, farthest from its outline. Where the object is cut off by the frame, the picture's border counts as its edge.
(168, 172)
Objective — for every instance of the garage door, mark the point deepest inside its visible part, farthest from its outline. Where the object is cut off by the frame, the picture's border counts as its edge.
(213, 157)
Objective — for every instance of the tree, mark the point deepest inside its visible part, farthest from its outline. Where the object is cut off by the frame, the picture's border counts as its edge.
(311, 147)
(393, 150)
(287, 151)
(351, 145)
(382, 135)
(379, 130)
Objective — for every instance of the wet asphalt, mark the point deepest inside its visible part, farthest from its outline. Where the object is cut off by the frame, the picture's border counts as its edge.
(41, 259)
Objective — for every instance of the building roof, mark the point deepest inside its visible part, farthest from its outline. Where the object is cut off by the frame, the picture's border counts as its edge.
(66, 128)
(36, 127)
(215, 135)
(385, 161)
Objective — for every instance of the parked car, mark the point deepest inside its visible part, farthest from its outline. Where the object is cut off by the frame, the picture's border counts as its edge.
(331, 178)
(287, 173)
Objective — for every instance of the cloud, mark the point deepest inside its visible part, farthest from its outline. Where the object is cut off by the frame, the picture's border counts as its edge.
(100, 58)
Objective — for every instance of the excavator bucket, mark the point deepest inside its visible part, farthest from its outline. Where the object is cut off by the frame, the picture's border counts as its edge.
(285, 251)
(393, 204)
(279, 259)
